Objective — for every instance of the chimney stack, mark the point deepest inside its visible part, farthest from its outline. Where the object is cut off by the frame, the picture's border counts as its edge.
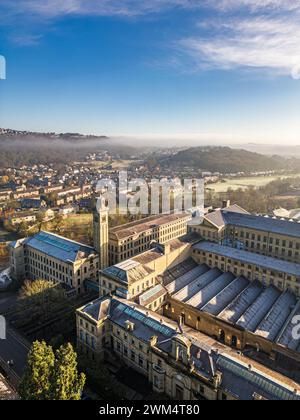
(226, 204)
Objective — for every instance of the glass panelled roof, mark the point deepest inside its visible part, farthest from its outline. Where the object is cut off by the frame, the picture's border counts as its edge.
(253, 377)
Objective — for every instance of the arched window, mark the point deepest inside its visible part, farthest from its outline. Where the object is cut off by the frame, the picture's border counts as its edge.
(222, 336)
(234, 341)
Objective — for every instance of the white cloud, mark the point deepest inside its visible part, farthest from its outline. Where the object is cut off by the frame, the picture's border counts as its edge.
(255, 42)
(25, 40)
(57, 8)
(263, 34)
(255, 5)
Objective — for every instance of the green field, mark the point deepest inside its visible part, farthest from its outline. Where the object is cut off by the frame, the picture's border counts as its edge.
(244, 183)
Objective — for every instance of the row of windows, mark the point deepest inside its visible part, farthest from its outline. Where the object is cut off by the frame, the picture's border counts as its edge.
(45, 260)
(142, 287)
(49, 275)
(258, 274)
(88, 326)
(47, 270)
(145, 237)
(134, 291)
(167, 238)
(271, 240)
(131, 354)
(229, 261)
(157, 303)
(280, 252)
(88, 339)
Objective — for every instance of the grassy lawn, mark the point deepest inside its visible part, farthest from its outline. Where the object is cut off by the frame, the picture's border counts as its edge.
(117, 164)
(77, 220)
(244, 183)
(77, 227)
(122, 164)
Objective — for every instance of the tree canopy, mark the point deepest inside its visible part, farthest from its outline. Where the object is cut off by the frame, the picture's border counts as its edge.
(51, 376)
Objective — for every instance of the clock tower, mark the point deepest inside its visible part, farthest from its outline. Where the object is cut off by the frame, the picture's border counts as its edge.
(100, 231)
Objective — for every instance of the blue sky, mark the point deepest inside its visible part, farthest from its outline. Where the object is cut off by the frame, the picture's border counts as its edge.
(190, 70)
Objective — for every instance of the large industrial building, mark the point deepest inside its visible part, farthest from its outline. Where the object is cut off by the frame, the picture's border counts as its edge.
(120, 243)
(245, 301)
(138, 274)
(234, 227)
(268, 270)
(52, 257)
(132, 239)
(222, 290)
(178, 361)
(241, 312)
(200, 314)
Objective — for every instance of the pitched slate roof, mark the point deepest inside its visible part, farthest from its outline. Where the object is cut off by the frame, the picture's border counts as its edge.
(217, 218)
(128, 271)
(250, 258)
(268, 224)
(143, 225)
(58, 247)
(241, 376)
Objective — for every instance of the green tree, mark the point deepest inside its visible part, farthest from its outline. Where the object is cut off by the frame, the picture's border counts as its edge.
(40, 290)
(50, 376)
(66, 382)
(58, 223)
(39, 300)
(23, 229)
(35, 384)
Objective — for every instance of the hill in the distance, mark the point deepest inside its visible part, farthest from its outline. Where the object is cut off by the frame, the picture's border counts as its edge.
(227, 160)
(20, 148)
(8, 133)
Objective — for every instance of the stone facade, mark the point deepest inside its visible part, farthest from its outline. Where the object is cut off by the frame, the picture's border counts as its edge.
(178, 361)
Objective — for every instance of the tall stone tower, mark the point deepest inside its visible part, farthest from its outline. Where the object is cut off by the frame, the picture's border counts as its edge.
(100, 231)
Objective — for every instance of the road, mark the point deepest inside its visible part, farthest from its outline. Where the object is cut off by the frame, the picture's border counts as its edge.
(13, 348)
(8, 301)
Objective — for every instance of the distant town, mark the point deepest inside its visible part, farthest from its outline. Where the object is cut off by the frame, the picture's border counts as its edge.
(149, 204)
(190, 311)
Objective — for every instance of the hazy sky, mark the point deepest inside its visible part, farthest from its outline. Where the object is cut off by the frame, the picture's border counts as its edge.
(206, 70)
